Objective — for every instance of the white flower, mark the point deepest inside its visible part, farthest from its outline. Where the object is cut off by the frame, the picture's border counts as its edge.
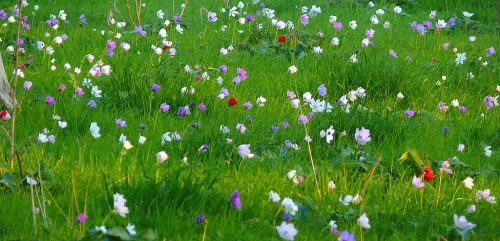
(62, 124)
(163, 33)
(58, 40)
(295, 103)
(387, 24)
(462, 223)
(328, 134)
(357, 199)
(96, 92)
(467, 14)
(261, 101)
(307, 97)
(487, 151)
(42, 138)
(31, 181)
(335, 41)
(101, 229)
(161, 157)
(461, 57)
(131, 229)
(380, 11)
(363, 221)
(292, 175)
(94, 130)
(224, 129)
(472, 38)
(468, 182)
(241, 5)
(62, 15)
(432, 14)
(233, 12)
(244, 151)
(106, 70)
(127, 145)
(485, 194)
(353, 59)
(353, 24)
(314, 11)
(346, 200)
(400, 95)
(441, 24)
(121, 24)
(287, 231)
(332, 185)
(119, 205)
(289, 206)
(318, 50)
(292, 69)
(274, 197)
(374, 19)
(160, 14)
(371, 4)
(455, 103)
(398, 9)
(141, 140)
(179, 29)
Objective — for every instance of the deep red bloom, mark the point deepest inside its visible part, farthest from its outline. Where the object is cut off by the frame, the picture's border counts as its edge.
(232, 101)
(165, 47)
(428, 174)
(282, 39)
(4, 115)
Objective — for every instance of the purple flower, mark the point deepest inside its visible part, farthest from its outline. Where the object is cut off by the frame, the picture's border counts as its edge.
(120, 123)
(79, 91)
(427, 24)
(249, 118)
(49, 100)
(369, 33)
(200, 219)
(236, 80)
(203, 148)
(26, 26)
(182, 111)
(490, 51)
(82, 19)
(409, 113)
(223, 69)
(247, 105)
(445, 130)
(142, 126)
(421, 29)
(249, 18)
(291, 95)
(20, 42)
(442, 106)
(111, 44)
(81, 218)
(3, 14)
(362, 136)
(337, 26)
(287, 217)
(489, 101)
(275, 128)
(462, 109)
(451, 22)
(302, 119)
(164, 107)
(61, 87)
(202, 107)
(64, 37)
(285, 124)
(242, 73)
(346, 236)
(155, 88)
(310, 115)
(446, 46)
(392, 54)
(224, 92)
(109, 53)
(235, 199)
(177, 19)
(27, 85)
(92, 104)
(139, 31)
(304, 19)
(322, 90)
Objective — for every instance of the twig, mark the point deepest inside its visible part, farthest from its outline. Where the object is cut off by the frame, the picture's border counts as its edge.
(14, 87)
(184, 8)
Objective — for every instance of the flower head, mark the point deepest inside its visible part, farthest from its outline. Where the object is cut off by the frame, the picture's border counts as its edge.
(287, 231)
(235, 199)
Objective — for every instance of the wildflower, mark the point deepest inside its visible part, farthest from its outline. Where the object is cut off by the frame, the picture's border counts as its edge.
(119, 205)
(462, 223)
(120, 123)
(467, 14)
(261, 101)
(4, 115)
(289, 206)
(49, 100)
(161, 157)
(94, 130)
(232, 101)
(417, 182)
(331, 185)
(292, 69)
(287, 231)
(461, 57)
(445, 167)
(81, 218)
(200, 219)
(468, 182)
(363, 221)
(131, 229)
(471, 208)
(235, 200)
(346, 200)
(31, 181)
(485, 194)
(393, 54)
(274, 197)
(487, 151)
(244, 151)
(490, 51)
(346, 236)
(304, 19)
(357, 199)
(428, 173)
(397, 9)
(164, 107)
(303, 119)
(328, 134)
(282, 39)
(362, 136)
(409, 113)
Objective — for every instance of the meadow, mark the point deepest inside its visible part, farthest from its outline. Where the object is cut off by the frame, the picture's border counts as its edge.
(250, 120)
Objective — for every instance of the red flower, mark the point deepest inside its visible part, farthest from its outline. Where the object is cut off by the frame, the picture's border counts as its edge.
(4, 115)
(428, 174)
(165, 47)
(232, 101)
(282, 39)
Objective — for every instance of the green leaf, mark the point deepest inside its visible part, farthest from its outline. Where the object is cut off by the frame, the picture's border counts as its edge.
(119, 233)
(8, 181)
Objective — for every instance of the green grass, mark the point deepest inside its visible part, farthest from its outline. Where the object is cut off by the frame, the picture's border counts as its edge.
(167, 198)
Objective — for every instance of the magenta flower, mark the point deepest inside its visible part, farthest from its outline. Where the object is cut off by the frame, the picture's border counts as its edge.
(79, 91)
(242, 73)
(81, 218)
(49, 100)
(202, 107)
(235, 199)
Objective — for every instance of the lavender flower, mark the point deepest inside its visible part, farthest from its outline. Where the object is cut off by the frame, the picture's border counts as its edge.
(92, 104)
(139, 31)
(155, 88)
(81, 218)
(49, 100)
(164, 107)
(490, 51)
(322, 90)
(346, 236)
(200, 219)
(223, 69)
(362, 136)
(247, 105)
(409, 113)
(120, 123)
(235, 200)
(302, 119)
(82, 19)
